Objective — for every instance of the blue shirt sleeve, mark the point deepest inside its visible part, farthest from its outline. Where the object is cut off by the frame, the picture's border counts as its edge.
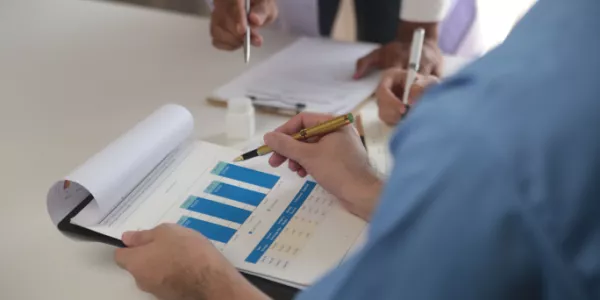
(449, 227)
(495, 187)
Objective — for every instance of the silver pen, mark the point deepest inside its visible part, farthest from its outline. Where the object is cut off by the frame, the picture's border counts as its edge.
(414, 63)
(247, 38)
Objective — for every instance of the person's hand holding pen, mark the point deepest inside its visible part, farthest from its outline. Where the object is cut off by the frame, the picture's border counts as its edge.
(229, 19)
(397, 52)
(337, 161)
(391, 90)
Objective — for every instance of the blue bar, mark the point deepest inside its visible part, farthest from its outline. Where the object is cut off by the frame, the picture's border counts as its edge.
(235, 193)
(216, 209)
(281, 222)
(245, 175)
(211, 231)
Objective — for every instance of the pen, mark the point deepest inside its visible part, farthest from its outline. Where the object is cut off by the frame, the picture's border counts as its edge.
(318, 130)
(413, 64)
(247, 37)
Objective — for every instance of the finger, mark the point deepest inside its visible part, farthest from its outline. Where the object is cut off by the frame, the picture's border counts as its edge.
(223, 46)
(276, 160)
(394, 76)
(365, 64)
(391, 108)
(437, 70)
(391, 86)
(137, 238)
(287, 146)
(302, 173)
(415, 93)
(391, 117)
(124, 256)
(225, 38)
(255, 38)
(294, 166)
(301, 121)
(426, 69)
(259, 14)
(240, 20)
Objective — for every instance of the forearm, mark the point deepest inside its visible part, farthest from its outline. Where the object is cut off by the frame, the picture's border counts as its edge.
(362, 202)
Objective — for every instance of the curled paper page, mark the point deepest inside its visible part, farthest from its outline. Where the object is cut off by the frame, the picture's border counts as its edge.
(111, 174)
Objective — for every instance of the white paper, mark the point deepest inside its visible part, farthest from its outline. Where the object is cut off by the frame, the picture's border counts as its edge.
(314, 72)
(320, 234)
(114, 172)
(377, 135)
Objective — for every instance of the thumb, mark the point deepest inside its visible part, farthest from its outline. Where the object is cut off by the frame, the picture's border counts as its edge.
(259, 14)
(365, 64)
(287, 146)
(415, 93)
(137, 238)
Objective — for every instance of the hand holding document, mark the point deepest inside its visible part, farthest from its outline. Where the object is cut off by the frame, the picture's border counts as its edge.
(265, 221)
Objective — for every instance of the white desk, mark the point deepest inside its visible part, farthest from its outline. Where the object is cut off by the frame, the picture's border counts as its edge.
(74, 75)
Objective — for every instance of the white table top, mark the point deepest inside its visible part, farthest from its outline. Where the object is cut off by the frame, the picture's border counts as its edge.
(74, 75)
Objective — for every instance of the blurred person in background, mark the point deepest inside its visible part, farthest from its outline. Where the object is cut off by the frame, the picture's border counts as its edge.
(390, 23)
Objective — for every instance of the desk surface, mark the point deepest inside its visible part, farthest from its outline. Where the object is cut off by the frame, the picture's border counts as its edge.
(74, 75)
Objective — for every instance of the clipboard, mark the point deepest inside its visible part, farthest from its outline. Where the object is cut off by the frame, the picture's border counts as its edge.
(283, 111)
(273, 289)
(311, 74)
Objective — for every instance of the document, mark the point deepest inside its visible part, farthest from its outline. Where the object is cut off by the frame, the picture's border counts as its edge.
(376, 136)
(312, 74)
(267, 222)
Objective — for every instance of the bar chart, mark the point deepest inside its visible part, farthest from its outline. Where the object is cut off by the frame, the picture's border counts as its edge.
(212, 211)
(284, 219)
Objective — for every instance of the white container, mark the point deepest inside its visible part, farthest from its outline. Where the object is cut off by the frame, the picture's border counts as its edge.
(240, 123)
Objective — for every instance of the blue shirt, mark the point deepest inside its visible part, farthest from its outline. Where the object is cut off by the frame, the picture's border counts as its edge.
(495, 193)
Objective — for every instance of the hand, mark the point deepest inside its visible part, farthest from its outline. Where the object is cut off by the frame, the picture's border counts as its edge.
(228, 22)
(337, 161)
(397, 54)
(391, 89)
(175, 263)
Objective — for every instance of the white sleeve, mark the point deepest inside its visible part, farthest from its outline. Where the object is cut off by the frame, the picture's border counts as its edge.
(424, 11)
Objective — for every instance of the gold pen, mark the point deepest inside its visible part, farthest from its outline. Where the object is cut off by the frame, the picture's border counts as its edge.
(304, 134)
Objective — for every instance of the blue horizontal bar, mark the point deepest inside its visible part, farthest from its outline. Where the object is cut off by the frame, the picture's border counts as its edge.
(216, 209)
(211, 231)
(246, 175)
(235, 193)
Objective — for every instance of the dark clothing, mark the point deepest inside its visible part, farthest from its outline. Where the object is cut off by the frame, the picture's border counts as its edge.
(376, 20)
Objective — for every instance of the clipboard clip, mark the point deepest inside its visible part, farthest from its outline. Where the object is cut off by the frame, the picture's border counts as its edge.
(285, 107)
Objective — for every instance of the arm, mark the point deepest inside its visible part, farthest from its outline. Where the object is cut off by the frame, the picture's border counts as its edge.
(450, 224)
(414, 14)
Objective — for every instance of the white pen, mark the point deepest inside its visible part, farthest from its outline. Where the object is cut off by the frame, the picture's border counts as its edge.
(413, 64)
(247, 38)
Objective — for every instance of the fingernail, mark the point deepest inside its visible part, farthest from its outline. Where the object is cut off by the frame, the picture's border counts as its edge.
(128, 236)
